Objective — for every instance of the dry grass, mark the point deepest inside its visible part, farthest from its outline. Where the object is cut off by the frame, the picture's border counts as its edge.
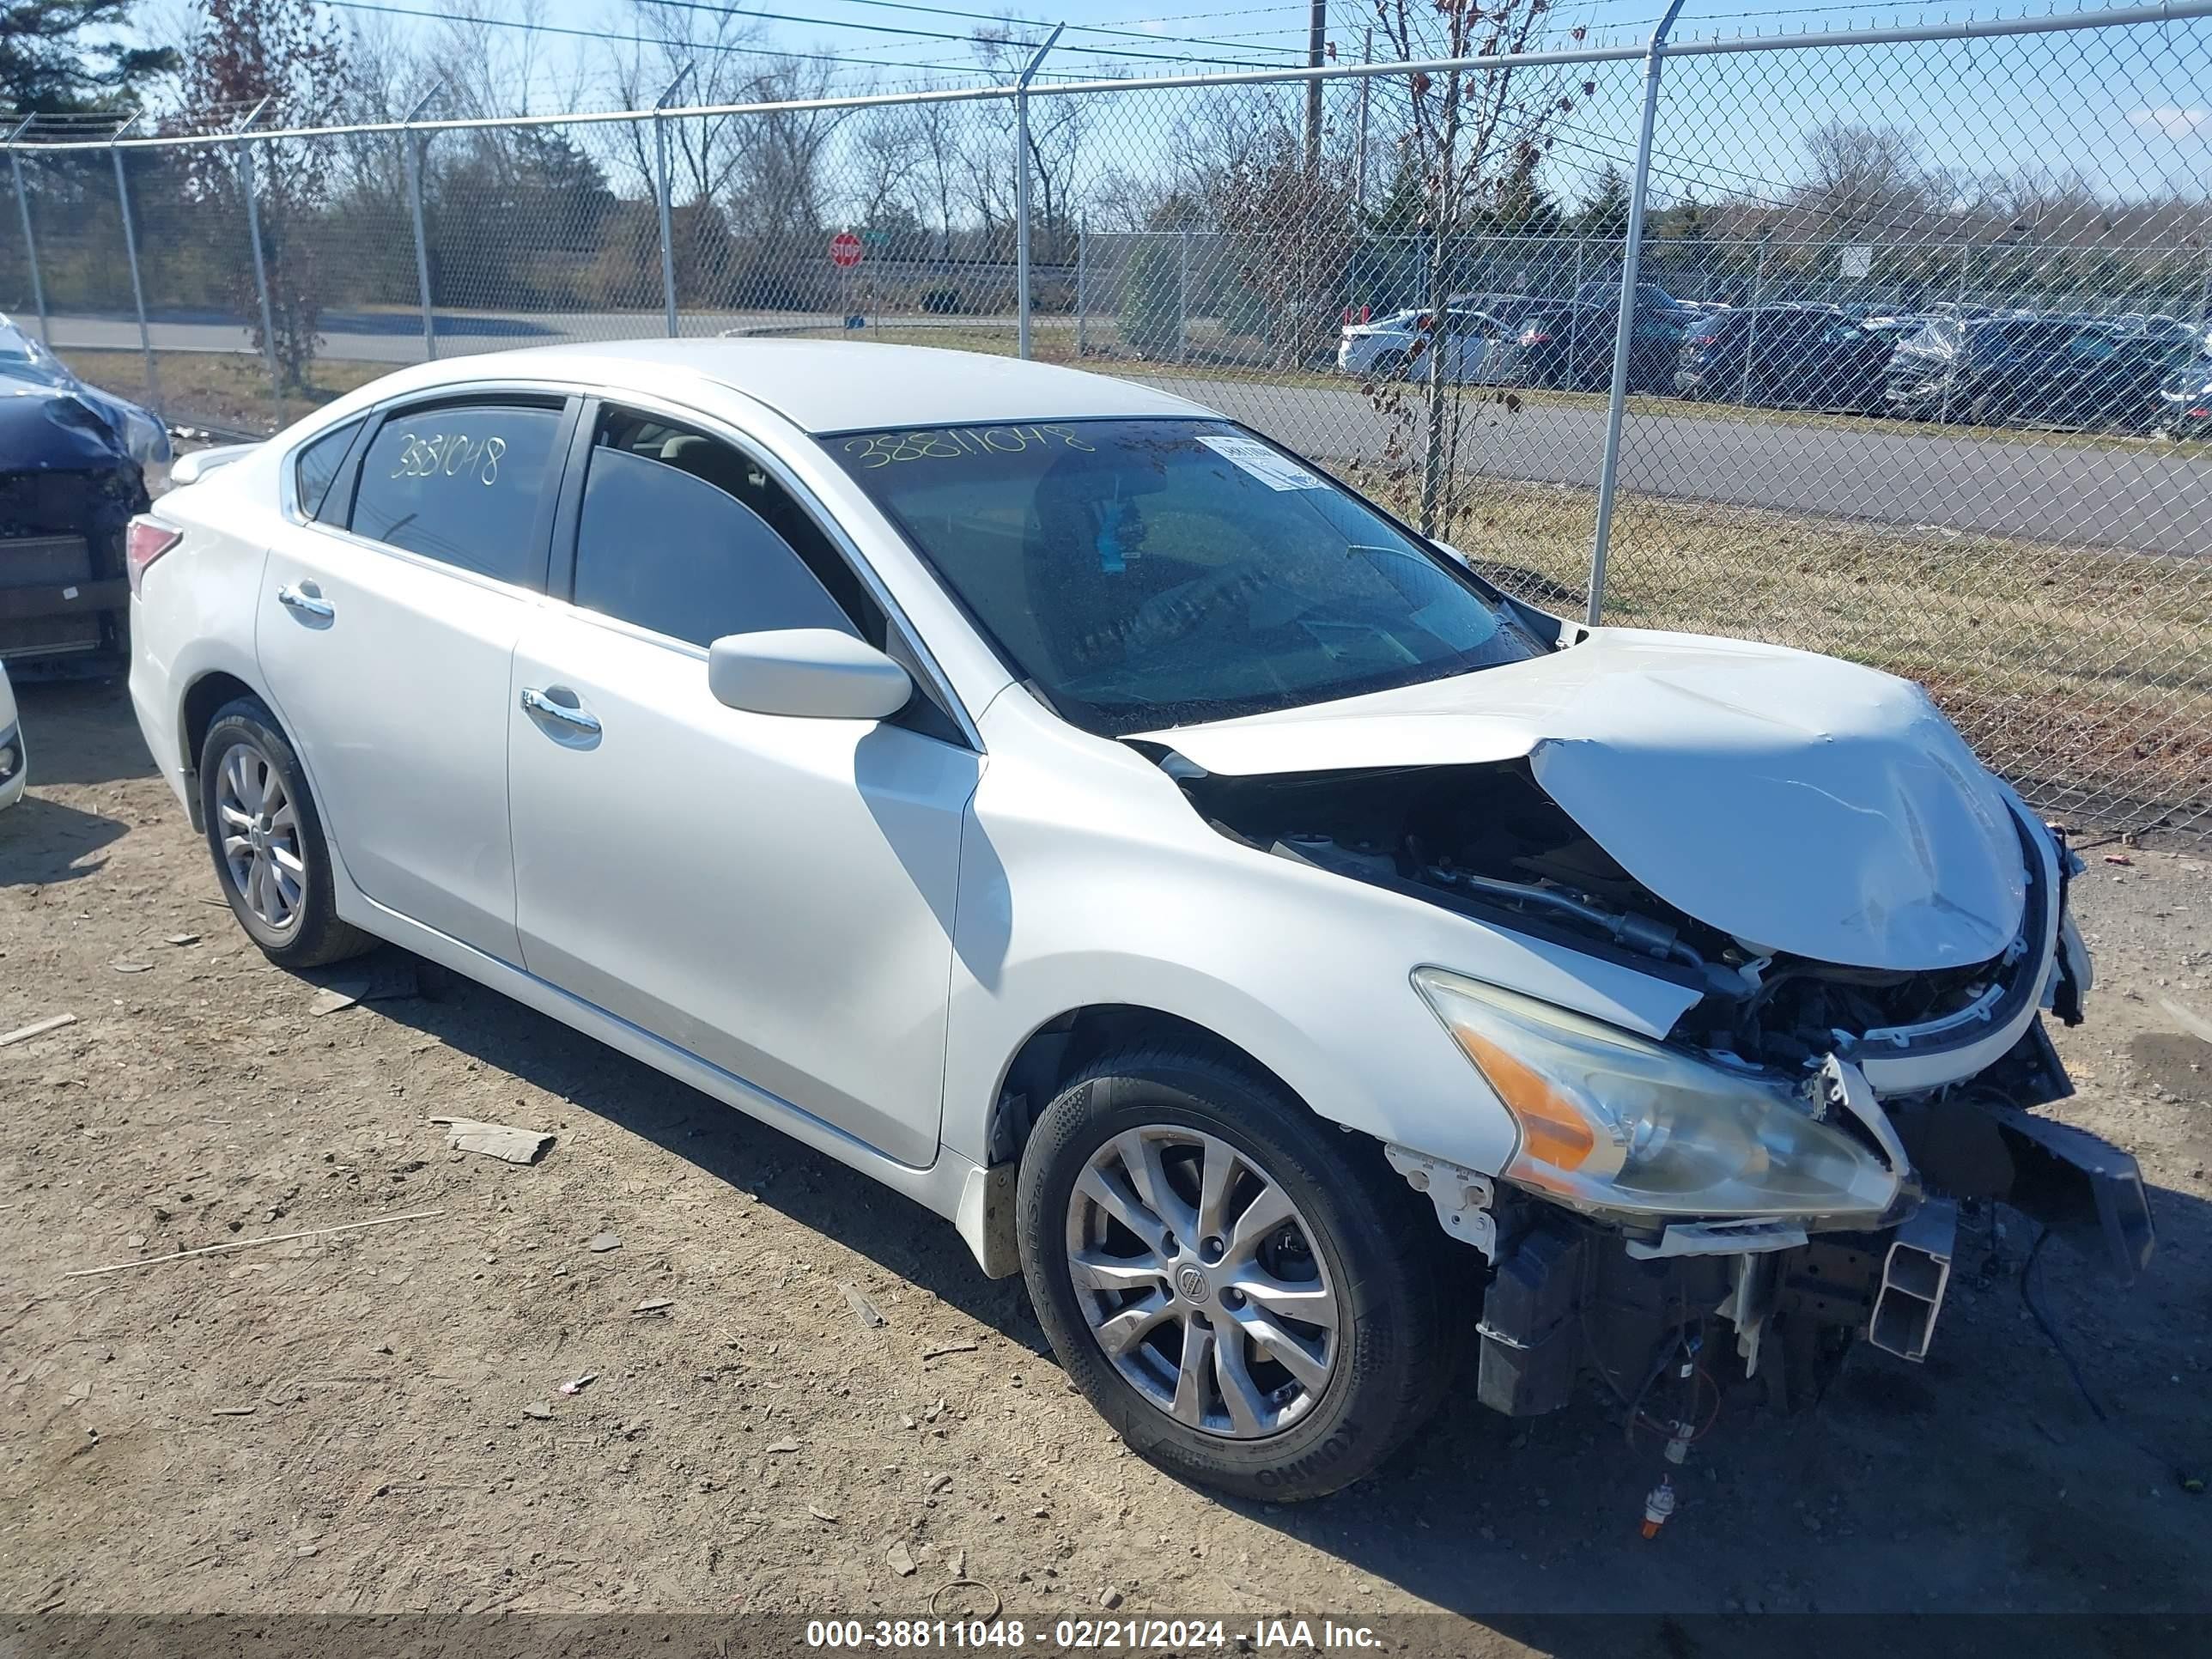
(216, 387)
(2084, 676)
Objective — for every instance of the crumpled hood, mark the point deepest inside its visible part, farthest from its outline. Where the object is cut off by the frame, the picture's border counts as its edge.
(1797, 802)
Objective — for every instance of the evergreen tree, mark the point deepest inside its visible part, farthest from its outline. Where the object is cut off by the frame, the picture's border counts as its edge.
(47, 67)
(1605, 213)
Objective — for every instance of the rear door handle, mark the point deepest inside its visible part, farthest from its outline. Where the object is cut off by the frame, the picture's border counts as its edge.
(306, 604)
(575, 720)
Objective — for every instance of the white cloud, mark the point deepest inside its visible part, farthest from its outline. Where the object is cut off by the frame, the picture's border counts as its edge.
(2174, 122)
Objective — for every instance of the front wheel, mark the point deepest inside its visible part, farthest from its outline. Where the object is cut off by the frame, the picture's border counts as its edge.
(1391, 365)
(1248, 1297)
(267, 841)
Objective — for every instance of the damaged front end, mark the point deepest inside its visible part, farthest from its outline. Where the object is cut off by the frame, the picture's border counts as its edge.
(1791, 1159)
(73, 468)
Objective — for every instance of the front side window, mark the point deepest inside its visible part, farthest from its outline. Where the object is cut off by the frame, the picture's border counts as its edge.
(1154, 572)
(681, 534)
(461, 483)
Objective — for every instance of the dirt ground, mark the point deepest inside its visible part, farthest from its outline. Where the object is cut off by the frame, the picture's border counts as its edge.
(374, 1421)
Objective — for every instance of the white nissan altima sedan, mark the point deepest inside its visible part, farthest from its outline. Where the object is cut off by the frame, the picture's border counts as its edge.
(1297, 958)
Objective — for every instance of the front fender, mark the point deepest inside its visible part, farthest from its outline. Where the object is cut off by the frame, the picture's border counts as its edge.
(1097, 882)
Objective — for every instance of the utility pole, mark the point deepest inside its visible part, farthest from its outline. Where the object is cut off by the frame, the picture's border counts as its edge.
(1359, 154)
(1317, 46)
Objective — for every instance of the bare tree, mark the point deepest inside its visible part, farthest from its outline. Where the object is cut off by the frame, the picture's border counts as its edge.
(288, 53)
(1864, 179)
(1056, 129)
(1468, 135)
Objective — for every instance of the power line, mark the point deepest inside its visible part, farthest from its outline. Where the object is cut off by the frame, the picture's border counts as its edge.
(939, 34)
(744, 48)
(1073, 29)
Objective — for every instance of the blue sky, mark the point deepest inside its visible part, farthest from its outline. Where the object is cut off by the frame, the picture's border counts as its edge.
(2131, 110)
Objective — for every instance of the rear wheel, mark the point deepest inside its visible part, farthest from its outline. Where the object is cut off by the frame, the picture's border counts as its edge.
(1237, 1289)
(1391, 365)
(267, 842)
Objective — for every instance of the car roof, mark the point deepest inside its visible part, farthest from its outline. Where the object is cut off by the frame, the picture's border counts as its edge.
(839, 386)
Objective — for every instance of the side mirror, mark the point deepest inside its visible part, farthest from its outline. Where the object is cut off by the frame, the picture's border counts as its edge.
(816, 673)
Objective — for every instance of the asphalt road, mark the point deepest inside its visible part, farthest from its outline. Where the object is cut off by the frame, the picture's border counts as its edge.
(2119, 493)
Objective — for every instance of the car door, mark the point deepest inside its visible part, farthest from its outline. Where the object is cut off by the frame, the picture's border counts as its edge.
(773, 894)
(385, 633)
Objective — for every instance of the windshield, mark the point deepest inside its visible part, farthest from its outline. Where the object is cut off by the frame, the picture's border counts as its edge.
(1156, 573)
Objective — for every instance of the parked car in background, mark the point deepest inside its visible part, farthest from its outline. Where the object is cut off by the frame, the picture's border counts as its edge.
(14, 759)
(1397, 346)
(1570, 345)
(75, 465)
(2185, 400)
(1649, 296)
(1998, 371)
(1335, 962)
(1786, 355)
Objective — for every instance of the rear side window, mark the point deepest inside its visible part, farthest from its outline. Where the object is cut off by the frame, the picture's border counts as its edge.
(316, 465)
(682, 534)
(461, 483)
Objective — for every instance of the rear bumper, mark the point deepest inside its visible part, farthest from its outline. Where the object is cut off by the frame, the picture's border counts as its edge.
(154, 704)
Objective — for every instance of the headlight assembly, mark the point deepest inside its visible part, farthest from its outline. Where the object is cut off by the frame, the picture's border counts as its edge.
(1610, 1122)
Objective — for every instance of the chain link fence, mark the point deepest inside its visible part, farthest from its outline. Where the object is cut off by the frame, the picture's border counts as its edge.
(1891, 342)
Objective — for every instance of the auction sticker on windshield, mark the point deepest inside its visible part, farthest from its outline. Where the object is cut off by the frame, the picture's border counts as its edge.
(1277, 472)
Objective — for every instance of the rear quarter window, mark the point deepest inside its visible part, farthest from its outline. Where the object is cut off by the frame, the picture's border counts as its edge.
(315, 467)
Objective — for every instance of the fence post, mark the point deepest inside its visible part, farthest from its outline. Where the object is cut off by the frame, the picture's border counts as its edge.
(130, 250)
(664, 190)
(1624, 334)
(260, 270)
(414, 142)
(1022, 191)
(1183, 296)
(1751, 341)
(1082, 250)
(1951, 374)
(30, 243)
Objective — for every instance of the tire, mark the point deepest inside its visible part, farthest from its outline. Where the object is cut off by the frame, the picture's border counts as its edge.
(293, 918)
(1391, 365)
(1352, 1232)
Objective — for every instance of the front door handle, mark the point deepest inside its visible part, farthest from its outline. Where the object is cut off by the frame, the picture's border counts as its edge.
(575, 720)
(306, 602)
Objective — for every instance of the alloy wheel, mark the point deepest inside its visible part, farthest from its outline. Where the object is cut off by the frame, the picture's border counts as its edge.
(1201, 1282)
(261, 842)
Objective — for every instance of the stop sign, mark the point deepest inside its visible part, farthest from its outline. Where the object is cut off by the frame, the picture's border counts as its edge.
(844, 250)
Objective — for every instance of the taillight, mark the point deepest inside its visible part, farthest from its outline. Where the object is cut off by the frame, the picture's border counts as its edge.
(1536, 336)
(146, 543)
(1704, 339)
(2203, 412)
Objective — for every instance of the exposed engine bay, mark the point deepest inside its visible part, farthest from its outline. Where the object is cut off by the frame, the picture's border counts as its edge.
(1488, 841)
(1573, 1296)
